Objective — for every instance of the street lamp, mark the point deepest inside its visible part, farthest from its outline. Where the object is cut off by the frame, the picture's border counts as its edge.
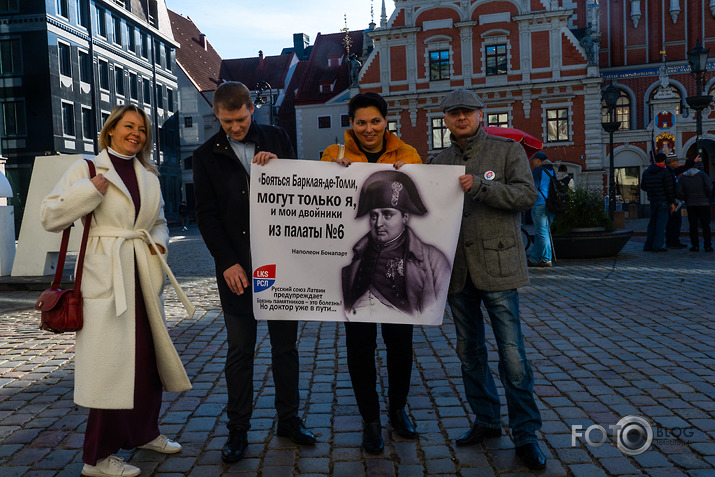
(698, 59)
(610, 96)
(261, 87)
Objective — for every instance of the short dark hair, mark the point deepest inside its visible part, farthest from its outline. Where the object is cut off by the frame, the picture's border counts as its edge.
(365, 100)
(231, 96)
(563, 168)
(660, 157)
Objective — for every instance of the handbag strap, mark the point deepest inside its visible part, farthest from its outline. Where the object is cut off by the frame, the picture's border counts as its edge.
(65, 243)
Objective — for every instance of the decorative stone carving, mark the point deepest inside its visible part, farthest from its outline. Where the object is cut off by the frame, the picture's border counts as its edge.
(674, 10)
(635, 12)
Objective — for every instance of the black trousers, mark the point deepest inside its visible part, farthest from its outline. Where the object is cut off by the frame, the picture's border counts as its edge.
(361, 340)
(699, 214)
(672, 229)
(241, 331)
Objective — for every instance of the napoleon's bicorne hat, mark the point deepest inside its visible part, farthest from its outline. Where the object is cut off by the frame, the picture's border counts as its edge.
(390, 190)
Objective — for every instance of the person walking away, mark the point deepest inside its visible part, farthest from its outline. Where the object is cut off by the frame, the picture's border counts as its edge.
(543, 173)
(489, 267)
(696, 189)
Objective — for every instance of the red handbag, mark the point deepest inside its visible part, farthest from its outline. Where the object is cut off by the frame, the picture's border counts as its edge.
(61, 310)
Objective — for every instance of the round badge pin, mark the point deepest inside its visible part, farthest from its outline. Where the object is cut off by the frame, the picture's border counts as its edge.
(489, 175)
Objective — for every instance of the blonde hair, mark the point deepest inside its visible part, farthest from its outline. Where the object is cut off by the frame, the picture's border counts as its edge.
(105, 139)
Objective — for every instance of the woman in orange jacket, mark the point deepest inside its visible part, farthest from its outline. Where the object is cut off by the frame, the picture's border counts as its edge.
(368, 140)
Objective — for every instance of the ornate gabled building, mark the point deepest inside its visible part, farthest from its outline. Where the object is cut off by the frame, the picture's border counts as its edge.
(66, 63)
(541, 66)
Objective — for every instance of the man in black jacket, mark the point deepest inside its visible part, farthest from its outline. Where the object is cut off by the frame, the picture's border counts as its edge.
(222, 166)
(659, 184)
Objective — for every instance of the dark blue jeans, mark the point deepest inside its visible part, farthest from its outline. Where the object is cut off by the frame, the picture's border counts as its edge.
(655, 236)
(514, 369)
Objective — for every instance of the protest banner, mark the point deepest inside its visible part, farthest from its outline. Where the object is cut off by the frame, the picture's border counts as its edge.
(361, 243)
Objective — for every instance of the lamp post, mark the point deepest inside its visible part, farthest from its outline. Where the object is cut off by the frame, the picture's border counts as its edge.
(261, 87)
(610, 96)
(698, 59)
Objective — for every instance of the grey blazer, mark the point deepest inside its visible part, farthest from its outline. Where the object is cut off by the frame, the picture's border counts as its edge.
(490, 245)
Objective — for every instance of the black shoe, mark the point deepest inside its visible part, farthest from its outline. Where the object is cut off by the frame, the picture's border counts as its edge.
(235, 447)
(695, 249)
(677, 245)
(708, 249)
(476, 434)
(531, 455)
(296, 431)
(658, 250)
(402, 424)
(372, 437)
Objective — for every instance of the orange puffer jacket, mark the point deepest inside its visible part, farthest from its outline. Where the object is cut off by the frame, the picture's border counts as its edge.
(396, 150)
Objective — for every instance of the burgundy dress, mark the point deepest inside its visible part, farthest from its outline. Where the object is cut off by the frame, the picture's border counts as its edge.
(109, 430)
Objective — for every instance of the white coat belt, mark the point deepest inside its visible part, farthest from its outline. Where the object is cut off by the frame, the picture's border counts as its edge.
(120, 297)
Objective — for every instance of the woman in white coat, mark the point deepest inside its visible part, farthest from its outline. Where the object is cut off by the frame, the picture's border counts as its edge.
(124, 355)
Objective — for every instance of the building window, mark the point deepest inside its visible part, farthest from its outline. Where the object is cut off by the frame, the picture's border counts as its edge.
(65, 61)
(68, 118)
(344, 121)
(117, 23)
(87, 132)
(498, 120)
(622, 110)
(13, 118)
(10, 57)
(323, 122)
(170, 99)
(157, 53)
(440, 134)
(119, 81)
(439, 65)
(628, 183)
(189, 163)
(133, 86)
(496, 60)
(9, 5)
(557, 125)
(159, 96)
(167, 50)
(101, 23)
(83, 13)
(63, 8)
(132, 39)
(145, 45)
(147, 91)
(392, 126)
(104, 75)
(105, 116)
(85, 67)
(188, 122)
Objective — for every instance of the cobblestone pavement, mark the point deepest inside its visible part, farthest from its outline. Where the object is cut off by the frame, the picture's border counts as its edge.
(608, 338)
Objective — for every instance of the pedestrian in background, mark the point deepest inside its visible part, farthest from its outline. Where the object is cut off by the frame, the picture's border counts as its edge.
(489, 266)
(222, 168)
(659, 184)
(541, 254)
(565, 178)
(184, 215)
(123, 352)
(369, 140)
(675, 219)
(696, 189)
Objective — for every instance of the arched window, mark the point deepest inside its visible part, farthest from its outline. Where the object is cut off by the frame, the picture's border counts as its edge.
(622, 110)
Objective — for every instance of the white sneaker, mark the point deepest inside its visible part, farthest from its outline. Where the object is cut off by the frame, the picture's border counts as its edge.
(162, 444)
(111, 466)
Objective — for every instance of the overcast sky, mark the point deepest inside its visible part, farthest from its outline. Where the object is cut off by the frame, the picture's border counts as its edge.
(239, 28)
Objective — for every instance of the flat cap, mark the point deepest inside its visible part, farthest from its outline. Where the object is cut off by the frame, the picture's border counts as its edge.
(461, 98)
(672, 158)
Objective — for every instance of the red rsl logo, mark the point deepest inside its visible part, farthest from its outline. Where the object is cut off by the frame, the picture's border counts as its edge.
(264, 277)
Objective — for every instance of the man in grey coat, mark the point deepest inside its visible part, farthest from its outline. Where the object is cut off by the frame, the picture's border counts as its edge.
(489, 266)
